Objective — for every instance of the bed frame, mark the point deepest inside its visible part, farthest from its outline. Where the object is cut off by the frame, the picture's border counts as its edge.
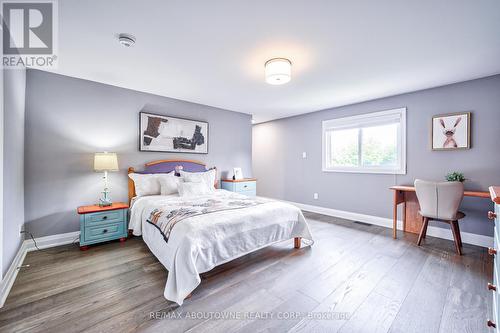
(165, 166)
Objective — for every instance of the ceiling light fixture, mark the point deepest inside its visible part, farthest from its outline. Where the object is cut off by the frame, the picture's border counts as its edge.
(278, 71)
(126, 40)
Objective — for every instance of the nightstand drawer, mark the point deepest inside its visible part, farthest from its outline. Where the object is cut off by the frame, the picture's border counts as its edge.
(103, 232)
(248, 193)
(104, 217)
(245, 186)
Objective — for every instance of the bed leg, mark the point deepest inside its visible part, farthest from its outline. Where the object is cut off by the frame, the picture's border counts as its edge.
(296, 242)
(189, 296)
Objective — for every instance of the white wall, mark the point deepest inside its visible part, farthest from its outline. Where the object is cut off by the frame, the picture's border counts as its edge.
(284, 174)
(68, 119)
(14, 90)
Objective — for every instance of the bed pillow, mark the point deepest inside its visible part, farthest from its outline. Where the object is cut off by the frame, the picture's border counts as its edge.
(189, 189)
(168, 183)
(145, 184)
(207, 178)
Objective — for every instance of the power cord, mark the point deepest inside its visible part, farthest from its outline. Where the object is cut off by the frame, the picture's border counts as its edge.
(44, 250)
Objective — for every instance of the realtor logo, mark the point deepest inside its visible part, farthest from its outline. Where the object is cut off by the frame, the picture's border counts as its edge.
(29, 33)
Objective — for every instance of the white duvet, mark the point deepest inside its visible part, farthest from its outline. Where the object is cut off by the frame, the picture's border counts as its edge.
(199, 243)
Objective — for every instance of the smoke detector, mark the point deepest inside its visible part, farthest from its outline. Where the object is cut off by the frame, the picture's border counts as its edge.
(126, 40)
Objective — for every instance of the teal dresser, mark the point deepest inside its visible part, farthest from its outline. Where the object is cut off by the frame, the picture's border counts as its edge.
(102, 224)
(495, 252)
(246, 186)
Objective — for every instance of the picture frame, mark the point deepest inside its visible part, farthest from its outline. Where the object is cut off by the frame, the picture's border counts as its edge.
(451, 131)
(168, 134)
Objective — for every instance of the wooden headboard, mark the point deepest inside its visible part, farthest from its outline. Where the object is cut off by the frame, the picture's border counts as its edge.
(165, 166)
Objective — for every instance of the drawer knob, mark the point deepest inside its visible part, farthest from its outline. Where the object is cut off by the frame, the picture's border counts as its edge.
(105, 231)
(104, 217)
(492, 215)
(491, 324)
(492, 251)
(492, 287)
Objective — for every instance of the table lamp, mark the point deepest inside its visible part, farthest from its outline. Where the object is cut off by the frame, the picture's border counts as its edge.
(105, 162)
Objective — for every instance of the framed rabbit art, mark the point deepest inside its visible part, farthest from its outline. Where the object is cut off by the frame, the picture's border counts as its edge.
(451, 131)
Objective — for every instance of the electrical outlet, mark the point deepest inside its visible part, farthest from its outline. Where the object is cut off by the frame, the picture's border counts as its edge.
(315, 196)
(304, 155)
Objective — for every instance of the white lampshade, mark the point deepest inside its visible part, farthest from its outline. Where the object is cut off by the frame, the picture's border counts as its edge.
(278, 71)
(105, 162)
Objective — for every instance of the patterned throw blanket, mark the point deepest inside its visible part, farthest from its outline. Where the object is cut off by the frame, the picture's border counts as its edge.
(166, 217)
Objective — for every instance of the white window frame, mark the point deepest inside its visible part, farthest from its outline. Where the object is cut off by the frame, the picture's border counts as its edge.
(364, 120)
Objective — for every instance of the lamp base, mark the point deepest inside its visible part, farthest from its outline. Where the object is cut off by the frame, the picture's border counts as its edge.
(103, 203)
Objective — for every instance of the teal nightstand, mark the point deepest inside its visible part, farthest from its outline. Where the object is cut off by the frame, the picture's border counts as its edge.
(246, 186)
(102, 224)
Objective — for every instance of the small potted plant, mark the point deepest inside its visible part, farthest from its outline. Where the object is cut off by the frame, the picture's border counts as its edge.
(455, 177)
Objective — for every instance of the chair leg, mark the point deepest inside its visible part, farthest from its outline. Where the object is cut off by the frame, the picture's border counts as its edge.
(455, 237)
(458, 233)
(424, 227)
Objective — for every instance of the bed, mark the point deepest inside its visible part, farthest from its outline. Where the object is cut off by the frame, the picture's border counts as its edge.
(221, 226)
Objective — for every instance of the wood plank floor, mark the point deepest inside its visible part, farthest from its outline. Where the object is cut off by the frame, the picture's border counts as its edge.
(355, 278)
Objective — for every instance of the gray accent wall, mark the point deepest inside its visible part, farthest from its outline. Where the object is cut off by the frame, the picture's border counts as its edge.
(68, 119)
(284, 174)
(14, 87)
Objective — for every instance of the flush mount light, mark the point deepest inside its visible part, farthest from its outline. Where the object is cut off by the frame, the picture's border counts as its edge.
(126, 40)
(278, 71)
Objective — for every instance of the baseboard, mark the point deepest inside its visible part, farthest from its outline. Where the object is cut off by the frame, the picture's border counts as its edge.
(380, 221)
(11, 274)
(467, 237)
(27, 246)
(52, 240)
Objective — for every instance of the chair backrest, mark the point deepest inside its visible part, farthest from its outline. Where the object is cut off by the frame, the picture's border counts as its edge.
(439, 199)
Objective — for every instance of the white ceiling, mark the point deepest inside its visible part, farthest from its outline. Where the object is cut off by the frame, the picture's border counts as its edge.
(213, 52)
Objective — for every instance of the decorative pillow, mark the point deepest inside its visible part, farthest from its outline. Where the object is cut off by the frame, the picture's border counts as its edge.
(145, 184)
(168, 183)
(189, 189)
(207, 177)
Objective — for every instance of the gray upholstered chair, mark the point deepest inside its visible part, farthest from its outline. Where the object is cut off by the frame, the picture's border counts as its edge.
(440, 202)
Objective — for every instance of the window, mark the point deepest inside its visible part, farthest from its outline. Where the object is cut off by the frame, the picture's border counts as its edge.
(369, 143)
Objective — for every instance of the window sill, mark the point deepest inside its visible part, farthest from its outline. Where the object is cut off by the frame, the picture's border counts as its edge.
(384, 172)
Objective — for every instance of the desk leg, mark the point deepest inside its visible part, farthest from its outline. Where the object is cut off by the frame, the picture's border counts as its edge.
(395, 216)
(404, 216)
(413, 223)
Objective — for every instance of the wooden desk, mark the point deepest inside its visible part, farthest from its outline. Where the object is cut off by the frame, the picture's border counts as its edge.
(412, 221)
